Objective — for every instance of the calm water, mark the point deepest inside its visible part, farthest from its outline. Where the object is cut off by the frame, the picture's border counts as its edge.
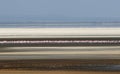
(60, 25)
(58, 22)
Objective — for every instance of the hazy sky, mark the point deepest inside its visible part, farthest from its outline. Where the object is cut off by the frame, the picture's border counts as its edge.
(59, 8)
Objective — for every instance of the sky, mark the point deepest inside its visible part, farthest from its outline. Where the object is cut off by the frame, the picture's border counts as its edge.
(25, 9)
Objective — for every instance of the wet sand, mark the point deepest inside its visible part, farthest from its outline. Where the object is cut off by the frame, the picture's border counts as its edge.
(65, 65)
(54, 72)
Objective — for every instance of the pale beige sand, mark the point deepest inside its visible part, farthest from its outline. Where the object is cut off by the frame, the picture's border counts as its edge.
(58, 32)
